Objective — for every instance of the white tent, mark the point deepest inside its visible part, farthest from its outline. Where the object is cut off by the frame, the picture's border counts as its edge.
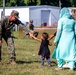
(48, 15)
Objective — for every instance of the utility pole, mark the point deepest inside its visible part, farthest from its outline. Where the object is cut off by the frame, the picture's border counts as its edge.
(3, 9)
(60, 3)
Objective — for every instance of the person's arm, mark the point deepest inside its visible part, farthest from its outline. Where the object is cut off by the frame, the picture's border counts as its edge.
(50, 43)
(52, 36)
(31, 35)
(24, 28)
(59, 31)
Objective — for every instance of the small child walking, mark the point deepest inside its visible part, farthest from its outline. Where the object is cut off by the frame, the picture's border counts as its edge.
(44, 49)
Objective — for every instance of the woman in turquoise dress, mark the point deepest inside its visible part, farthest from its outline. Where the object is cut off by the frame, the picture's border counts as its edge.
(65, 50)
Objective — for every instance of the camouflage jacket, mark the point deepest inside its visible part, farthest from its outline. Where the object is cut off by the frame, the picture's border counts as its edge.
(6, 25)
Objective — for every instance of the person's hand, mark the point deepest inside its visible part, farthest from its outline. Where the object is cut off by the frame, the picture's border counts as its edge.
(31, 35)
(50, 43)
(54, 44)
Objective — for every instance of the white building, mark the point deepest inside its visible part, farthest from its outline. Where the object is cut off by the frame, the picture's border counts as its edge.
(48, 15)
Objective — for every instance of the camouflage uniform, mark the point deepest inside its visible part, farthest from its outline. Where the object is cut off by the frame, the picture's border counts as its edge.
(6, 24)
(31, 28)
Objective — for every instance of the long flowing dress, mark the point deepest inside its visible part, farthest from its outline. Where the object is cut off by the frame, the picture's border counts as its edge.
(65, 38)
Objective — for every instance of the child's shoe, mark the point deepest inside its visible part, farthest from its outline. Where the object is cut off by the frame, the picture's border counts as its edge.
(42, 64)
(49, 65)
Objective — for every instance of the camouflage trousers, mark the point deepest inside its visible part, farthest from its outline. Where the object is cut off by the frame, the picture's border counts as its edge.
(11, 48)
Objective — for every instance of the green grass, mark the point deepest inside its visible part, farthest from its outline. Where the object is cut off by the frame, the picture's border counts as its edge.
(27, 64)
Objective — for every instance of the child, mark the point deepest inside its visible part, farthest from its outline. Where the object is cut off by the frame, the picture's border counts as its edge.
(44, 49)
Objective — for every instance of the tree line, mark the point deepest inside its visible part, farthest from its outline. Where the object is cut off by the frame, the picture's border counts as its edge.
(64, 3)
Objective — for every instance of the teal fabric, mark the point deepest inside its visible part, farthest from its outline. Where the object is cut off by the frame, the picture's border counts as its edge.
(65, 38)
(65, 13)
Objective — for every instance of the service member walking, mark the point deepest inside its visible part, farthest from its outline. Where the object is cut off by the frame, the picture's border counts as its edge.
(6, 24)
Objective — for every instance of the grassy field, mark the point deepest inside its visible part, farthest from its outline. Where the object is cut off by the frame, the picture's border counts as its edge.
(28, 61)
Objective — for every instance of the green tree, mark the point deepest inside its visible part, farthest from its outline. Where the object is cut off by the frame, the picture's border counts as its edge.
(1, 3)
(9, 3)
(73, 3)
(20, 2)
(65, 3)
(31, 2)
(38, 2)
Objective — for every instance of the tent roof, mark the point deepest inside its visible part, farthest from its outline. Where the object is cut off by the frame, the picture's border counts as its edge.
(32, 7)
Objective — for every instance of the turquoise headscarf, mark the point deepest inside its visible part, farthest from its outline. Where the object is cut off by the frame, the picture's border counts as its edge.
(65, 12)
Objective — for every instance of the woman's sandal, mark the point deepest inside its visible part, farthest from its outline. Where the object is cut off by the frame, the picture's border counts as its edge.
(58, 69)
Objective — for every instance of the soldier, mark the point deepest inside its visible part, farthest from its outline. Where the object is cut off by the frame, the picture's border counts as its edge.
(31, 28)
(6, 24)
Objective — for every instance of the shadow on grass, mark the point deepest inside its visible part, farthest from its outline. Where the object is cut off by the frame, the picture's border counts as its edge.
(69, 69)
(53, 63)
(27, 62)
(37, 61)
(75, 69)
